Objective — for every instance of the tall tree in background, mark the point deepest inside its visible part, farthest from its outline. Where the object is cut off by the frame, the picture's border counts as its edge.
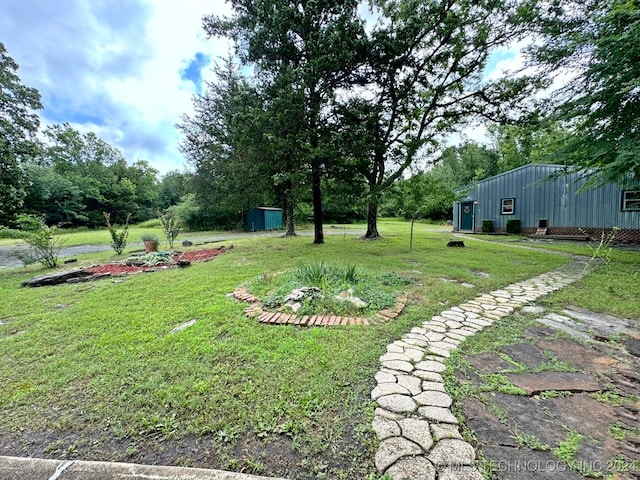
(314, 44)
(18, 127)
(597, 41)
(223, 141)
(426, 79)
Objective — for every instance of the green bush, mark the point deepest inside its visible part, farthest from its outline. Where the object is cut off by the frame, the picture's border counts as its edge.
(487, 226)
(45, 246)
(513, 226)
(10, 233)
(118, 237)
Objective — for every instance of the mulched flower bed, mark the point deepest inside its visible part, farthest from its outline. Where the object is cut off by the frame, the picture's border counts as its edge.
(194, 256)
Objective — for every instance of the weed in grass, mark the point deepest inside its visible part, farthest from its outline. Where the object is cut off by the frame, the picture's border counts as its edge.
(567, 450)
(531, 442)
(555, 394)
(500, 383)
(613, 398)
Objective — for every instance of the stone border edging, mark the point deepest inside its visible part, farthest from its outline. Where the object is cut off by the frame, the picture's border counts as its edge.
(419, 436)
(281, 318)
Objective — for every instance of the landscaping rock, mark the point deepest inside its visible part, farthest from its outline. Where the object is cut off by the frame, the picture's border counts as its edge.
(187, 243)
(397, 403)
(486, 427)
(525, 354)
(56, 278)
(533, 383)
(524, 464)
(583, 357)
(632, 346)
(488, 363)
(188, 324)
(451, 451)
(417, 431)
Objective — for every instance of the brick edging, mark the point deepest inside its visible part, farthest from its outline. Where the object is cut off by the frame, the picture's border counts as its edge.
(256, 310)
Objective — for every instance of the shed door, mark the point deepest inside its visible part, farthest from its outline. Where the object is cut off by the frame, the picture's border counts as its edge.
(466, 216)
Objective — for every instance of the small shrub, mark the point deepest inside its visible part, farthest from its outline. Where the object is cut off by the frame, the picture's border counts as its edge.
(118, 237)
(514, 226)
(171, 226)
(43, 242)
(487, 226)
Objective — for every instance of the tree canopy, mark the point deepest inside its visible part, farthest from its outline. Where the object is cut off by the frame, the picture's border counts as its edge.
(19, 123)
(598, 42)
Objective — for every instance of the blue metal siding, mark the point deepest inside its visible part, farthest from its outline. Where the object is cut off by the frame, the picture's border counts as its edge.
(557, 199)
(272, 219)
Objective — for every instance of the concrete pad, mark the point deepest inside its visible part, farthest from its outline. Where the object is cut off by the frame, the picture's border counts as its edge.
(13, 468)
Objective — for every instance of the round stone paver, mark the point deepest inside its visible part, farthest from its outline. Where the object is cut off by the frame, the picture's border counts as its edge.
(393, 449)
(397, 403)
(412, 468)
(410, 385)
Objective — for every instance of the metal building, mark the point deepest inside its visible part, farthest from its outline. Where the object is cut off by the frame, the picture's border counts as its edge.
(263, 218)
(547, 196)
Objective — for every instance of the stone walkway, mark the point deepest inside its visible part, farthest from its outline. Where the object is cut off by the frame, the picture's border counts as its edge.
(419, 436)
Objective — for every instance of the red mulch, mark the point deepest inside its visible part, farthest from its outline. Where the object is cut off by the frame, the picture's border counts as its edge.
(194, 256)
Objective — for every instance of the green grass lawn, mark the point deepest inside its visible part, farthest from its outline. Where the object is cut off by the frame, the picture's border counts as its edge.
(91, 371)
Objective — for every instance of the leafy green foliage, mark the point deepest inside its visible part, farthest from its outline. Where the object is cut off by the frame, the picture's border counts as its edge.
(487, 226)
(118, 237)
(42, 240)
(598, 40)
(18, 143)
(171, 226)
(514, 225)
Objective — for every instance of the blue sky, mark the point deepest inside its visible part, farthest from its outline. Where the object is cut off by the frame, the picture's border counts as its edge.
(123, 69)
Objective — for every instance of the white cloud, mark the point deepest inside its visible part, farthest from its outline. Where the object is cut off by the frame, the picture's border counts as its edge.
(113, 67)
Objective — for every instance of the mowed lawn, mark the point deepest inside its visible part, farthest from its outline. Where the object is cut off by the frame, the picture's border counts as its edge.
(91, 370)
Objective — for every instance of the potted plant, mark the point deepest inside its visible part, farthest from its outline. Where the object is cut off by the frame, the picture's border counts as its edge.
(150, 241)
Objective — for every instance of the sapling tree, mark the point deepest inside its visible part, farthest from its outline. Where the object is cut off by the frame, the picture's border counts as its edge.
(118, 237)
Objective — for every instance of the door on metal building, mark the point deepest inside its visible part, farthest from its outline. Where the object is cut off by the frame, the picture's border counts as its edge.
(467, 216)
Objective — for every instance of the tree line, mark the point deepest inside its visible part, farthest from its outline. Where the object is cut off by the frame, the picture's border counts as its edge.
(338, 112)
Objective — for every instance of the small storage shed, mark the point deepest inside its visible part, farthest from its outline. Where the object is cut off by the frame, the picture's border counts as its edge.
(547, 197)
(263, 218)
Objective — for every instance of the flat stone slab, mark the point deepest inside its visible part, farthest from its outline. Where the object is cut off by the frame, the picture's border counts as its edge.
(577, 355)
(486, 427)
(632, 346)
(534, 383)
(57, 278)
(526, 415)
(584, 415)
(524, 464)
(539, 333)
(525, 354)
(488, 363)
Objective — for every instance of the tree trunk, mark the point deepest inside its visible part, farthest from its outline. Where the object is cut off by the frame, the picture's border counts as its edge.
(317, 204)
(372, 220)
(289, 212)
(413, 219)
